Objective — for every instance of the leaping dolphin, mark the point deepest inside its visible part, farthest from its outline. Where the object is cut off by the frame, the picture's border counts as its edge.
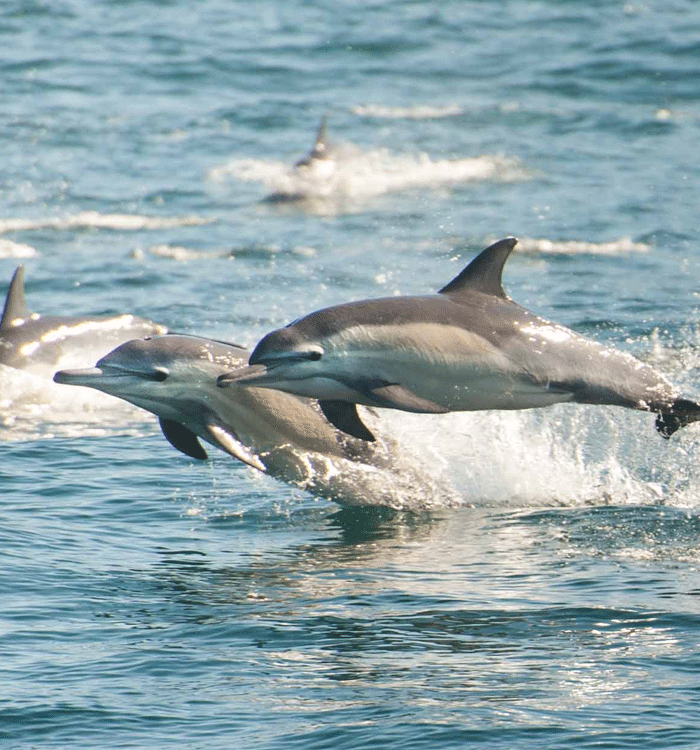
(174, 377)
(42, 343)
(468, 347)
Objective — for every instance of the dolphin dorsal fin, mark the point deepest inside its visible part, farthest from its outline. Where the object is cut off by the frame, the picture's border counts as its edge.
(484, 273)
(320, 142)
(15, 302)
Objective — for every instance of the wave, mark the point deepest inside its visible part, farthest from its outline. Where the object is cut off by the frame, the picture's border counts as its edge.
(415, 112)
(181, 254)
(97, 220)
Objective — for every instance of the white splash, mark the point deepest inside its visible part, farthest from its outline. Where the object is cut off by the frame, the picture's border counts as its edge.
(182, 254)
(96, 220)
(422, 111)
(578, 247)
(360, 175)
(10, 249)
(567, 455)
(415, 112)
(33, 407)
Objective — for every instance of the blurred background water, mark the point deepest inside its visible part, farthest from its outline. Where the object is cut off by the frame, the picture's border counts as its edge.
(150, 601)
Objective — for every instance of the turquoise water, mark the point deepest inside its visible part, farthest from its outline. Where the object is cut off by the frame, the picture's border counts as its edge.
(150, 601)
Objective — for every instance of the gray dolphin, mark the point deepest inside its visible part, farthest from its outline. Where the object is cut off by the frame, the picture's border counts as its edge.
(468, 347)
(41, 343)
(174, 377)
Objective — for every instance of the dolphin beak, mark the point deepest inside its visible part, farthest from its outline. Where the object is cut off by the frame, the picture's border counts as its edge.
(78, 377)
(253, 374)
(261, 367)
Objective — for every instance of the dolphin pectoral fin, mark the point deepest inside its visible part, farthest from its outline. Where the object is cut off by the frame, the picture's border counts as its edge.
(344, 416)
(231, 445)
(395, 396)
(182, 438)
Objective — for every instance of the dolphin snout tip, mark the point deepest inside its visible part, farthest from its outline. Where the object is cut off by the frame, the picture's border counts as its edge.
(242, 376)
(76, 377)
(225, 380)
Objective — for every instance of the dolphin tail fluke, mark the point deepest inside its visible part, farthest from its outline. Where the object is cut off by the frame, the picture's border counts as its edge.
(344, 416)
(682, 412)
(182, 438)
(15, 302)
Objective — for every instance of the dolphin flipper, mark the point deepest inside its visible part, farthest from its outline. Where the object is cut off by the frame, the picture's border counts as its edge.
(395, 396)
(182, 438)
(231, 445)
(344, 416)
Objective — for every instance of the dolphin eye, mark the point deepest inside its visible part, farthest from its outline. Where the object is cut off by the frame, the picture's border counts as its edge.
(313, 353)
(160, 374)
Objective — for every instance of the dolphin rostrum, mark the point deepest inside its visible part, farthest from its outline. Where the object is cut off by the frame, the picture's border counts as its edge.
(42, 343)
(468, 347)
(174, 377)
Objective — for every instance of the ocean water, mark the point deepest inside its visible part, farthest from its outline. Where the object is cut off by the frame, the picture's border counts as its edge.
(544, 592)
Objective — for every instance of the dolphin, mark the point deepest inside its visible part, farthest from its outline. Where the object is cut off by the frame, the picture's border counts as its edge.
(42, 343)
(468, 347)
(174, 377)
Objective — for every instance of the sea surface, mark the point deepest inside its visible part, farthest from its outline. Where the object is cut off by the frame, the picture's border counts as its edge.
(545, 593)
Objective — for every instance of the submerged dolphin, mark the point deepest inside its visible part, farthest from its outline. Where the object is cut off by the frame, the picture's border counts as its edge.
(174, 377)
(469, 347)
(41, 343)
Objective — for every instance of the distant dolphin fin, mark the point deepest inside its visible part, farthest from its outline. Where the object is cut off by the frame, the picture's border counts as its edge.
(395, 396)
(231, 445)
(15, 302)
(182, 438)
(320, 147)
(321, 134)
(344, 416)
(484, 273)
